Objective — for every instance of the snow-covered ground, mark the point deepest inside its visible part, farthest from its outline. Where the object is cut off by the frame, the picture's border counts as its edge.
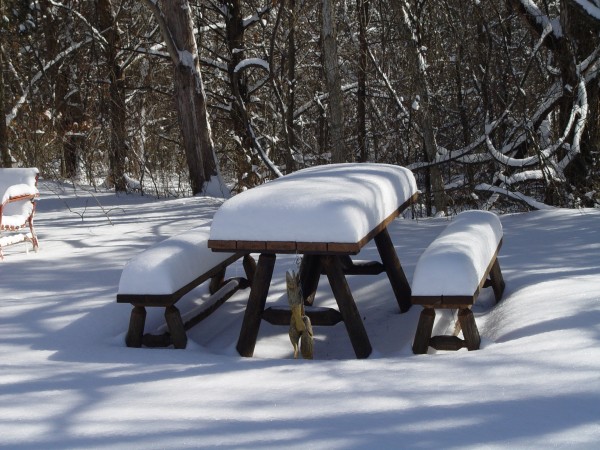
(67, 380)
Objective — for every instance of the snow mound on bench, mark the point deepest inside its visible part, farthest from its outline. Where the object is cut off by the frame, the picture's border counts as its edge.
(170, 265)
(456, 261)
(18, 190)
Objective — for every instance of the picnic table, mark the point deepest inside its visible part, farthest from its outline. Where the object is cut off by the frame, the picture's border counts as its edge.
(324, 213)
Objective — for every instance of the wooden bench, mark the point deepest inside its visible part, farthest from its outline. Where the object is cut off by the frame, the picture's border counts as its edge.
(450, 274)
(18, 189)
(163, 274)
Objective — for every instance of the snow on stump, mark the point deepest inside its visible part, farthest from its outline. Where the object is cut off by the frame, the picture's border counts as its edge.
(18, 189)
(451, 272)
(163, 274)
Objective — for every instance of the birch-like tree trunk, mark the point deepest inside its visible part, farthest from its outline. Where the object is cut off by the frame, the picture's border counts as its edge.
(333, 84)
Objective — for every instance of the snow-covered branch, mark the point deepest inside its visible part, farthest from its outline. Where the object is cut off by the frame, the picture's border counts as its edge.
(93, 29)
(15, 109)
(252, 62)
(513, 195)
(582, 112)
(317, 99)
(591, 8)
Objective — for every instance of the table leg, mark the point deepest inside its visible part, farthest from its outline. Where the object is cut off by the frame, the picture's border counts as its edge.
(256, 304)
(497, 281)
(394, 270)
(343, 296)
(310, 272)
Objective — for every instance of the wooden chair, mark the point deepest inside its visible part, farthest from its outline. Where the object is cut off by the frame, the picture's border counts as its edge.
(18, 189)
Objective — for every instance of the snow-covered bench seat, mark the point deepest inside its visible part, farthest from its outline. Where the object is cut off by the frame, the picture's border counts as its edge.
(451, 273)
(18, 188)
(163, 274)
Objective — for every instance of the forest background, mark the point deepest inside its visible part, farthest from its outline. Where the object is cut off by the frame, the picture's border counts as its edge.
(492, 103)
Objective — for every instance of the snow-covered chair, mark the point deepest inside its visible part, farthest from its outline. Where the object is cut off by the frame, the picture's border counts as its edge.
(18, 188)
(451, 273)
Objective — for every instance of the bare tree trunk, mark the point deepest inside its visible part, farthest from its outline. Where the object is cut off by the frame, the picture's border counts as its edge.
(291, 84)
(5, 158)
(363, 14)
(68, 104)
(177, 28)
(424, 111)
(333, 84)
(234, 26)
(118, 115)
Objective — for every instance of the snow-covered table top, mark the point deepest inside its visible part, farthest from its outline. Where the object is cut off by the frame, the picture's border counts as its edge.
(334, 208)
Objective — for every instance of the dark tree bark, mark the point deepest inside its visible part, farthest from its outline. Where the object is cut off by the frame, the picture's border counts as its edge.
(291, 83)
(177, 28)
(235, 44)
(363, 14)
(5, 158)
(333, 83)
(107, 22)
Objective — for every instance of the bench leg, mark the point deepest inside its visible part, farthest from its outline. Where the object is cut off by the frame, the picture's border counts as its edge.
(469, 328)
(217, 281)
(310, 272)
(176, 328)
(256, 304)
(350, 315)
(394, 271)
(497, 281)
(424, 330)
(135, 332)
